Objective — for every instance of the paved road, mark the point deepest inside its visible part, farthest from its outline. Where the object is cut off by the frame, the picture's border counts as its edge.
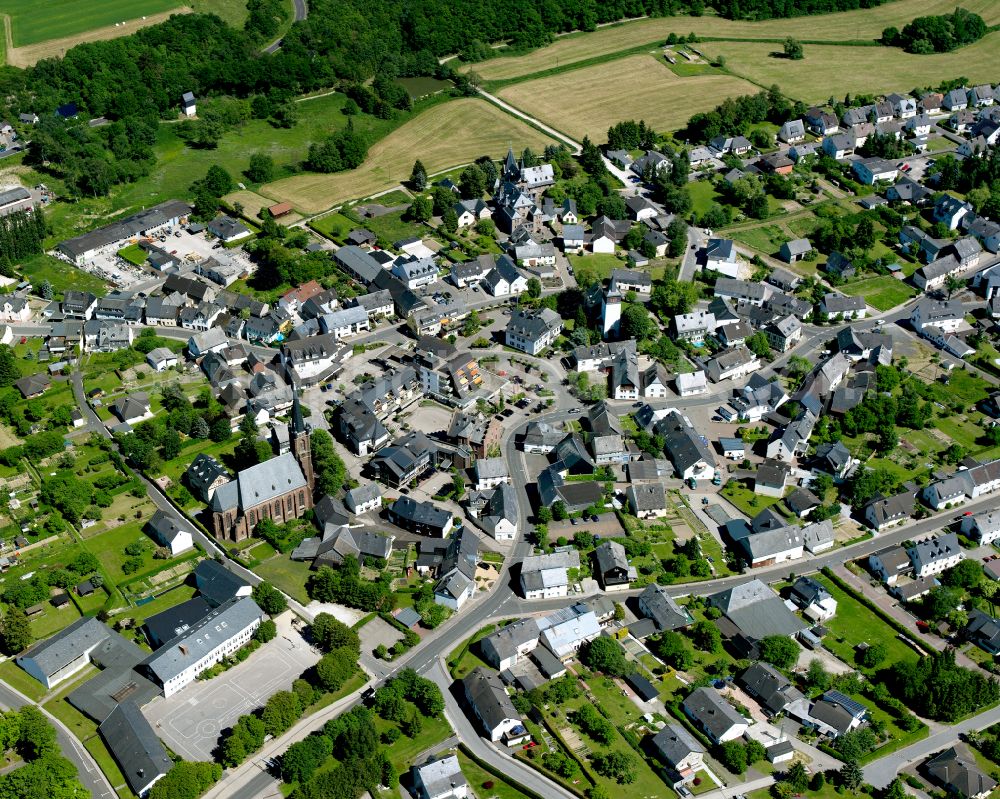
(881, 772)
(301, 12)
(90, 774)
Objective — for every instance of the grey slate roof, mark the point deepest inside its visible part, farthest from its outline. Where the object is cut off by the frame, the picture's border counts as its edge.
(487, 694)
(756, 610)
(135, 746)
(713, 713)
(61, 649)
(195, 643)
(216, 583)
(261, 483)
(674, 743)
(164, 528)
(663, 608)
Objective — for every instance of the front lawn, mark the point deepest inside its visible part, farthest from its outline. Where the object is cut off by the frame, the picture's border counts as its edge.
(703, 196)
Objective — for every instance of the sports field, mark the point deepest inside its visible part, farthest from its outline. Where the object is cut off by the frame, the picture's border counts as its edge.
(871, 70)
(445, 135)
(586, 102)
(862, 24)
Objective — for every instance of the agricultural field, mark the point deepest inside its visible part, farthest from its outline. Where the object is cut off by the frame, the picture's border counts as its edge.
(429, 136)
(873, 69)
(859, 25)
(587, 101)
(34, 21)
(37, 30)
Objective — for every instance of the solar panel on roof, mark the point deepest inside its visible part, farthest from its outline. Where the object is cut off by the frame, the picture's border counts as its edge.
(850, 705)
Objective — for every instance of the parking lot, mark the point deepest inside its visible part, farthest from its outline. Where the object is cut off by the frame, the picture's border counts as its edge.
(191, 248)
(190, 721)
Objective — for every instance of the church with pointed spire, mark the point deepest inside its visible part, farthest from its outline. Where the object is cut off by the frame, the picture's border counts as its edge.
(279, 489)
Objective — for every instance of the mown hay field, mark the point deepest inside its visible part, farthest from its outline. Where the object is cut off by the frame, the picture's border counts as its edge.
(444, 136)
(34, 21)
(861, 24)
(587, 101)
(829, 70)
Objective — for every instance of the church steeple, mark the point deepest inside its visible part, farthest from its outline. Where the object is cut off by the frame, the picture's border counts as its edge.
(298, 435)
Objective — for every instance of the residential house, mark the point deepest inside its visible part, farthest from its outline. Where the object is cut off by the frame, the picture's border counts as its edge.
(813, 599)
(492, 707)
(839, 306)
(720, 256)
(957, 772)
(783, 334)
(440, 779)
(611, 566)
(690, 455)
(885, 511)
(694, 326)
(732, 364)
(691, 383)
(647, 500)
(872, 170)
(656, 604)
(714, 716)
(792, 132)
(532, 331)
(423, 518)
(935, 554)
(205, 475)
(771, 689)
(982, 527)
(835, 714)
(167, 533)
(132, 408)
(546, 576)
(983, 630)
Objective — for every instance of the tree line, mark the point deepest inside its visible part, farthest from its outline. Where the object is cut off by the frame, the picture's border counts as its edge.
(21, 235)
(938, 33)
(341, 647)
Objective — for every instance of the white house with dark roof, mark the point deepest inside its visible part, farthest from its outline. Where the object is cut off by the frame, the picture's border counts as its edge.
(533, 331)
(714, 716)
(721, 256)
(440, 779)
(168, 533)
(983, 527)
(647, 500)
(492, 707)
(936, 554)
(60, 656)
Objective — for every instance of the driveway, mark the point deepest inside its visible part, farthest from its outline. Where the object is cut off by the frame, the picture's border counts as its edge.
(190, 721)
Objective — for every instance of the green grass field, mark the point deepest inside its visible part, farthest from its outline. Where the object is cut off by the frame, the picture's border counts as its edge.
(766, 238)
(36, 21)
(600, 264)
(288, 575)
(178, 165)
(882, 292)
(855, 624)
(703, 196)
